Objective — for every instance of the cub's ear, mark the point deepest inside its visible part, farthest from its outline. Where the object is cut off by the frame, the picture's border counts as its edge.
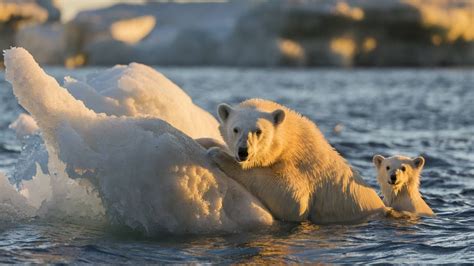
(278, 116)
(223, 112)
(378, 159)
(419, 162)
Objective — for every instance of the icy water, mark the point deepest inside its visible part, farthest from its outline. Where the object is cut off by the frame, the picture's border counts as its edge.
(391, 111)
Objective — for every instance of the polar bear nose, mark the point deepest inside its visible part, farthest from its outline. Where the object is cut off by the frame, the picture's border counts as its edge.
(243, 153)
(393, 177)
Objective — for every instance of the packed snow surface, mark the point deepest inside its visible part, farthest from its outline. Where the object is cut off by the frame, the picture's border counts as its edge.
(140, 91)
(24, 126)
(142, 169)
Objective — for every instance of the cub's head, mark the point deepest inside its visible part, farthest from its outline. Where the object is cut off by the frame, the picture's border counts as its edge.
(251, 134)
(398, 171)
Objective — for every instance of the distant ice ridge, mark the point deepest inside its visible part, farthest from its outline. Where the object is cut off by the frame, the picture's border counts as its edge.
(149, 173)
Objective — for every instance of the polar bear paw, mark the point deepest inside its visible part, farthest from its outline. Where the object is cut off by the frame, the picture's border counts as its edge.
(224, 161)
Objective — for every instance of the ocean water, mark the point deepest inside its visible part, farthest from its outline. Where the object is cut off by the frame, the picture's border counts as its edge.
(427, 112)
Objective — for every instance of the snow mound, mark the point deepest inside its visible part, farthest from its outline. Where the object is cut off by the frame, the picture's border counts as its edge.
(139, 91)
(13, 206)
(24, 125)
(149, 174)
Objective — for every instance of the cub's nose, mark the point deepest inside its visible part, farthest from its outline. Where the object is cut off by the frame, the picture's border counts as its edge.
(243, 153)
(393, 178)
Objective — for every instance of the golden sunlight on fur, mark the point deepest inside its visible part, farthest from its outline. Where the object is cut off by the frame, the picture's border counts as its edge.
(399, 180)
(282, 158)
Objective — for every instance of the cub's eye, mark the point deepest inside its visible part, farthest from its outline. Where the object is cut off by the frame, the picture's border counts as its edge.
(236, 130)
(258, 132)
(403, 168)
(388, 168)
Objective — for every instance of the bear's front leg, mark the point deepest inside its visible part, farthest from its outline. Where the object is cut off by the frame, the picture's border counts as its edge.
(250, 178)
(225, 162)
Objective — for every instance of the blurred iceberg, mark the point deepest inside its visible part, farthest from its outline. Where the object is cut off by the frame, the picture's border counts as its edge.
(256, 33)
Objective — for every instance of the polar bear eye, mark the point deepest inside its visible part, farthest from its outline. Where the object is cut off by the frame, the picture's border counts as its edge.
(236, 130)
(258, 132)
(388, 168)
(403, 168)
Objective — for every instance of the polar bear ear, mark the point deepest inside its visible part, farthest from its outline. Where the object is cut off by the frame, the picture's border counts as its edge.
(278, 116)
(378, 159)
(223, 111)
(419, 162)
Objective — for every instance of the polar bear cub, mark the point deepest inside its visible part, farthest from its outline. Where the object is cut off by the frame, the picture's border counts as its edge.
(283, 158)
(399, 180)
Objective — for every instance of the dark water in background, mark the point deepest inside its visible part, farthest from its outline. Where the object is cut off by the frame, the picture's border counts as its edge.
(391, 111)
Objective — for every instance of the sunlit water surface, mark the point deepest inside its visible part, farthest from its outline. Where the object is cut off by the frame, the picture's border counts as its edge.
(392, 111)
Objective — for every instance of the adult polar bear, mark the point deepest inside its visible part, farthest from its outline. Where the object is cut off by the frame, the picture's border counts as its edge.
(287, 163)
(150, 176)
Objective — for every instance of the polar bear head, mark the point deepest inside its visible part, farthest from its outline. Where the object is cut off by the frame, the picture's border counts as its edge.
(251, 134)
(397, 172)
